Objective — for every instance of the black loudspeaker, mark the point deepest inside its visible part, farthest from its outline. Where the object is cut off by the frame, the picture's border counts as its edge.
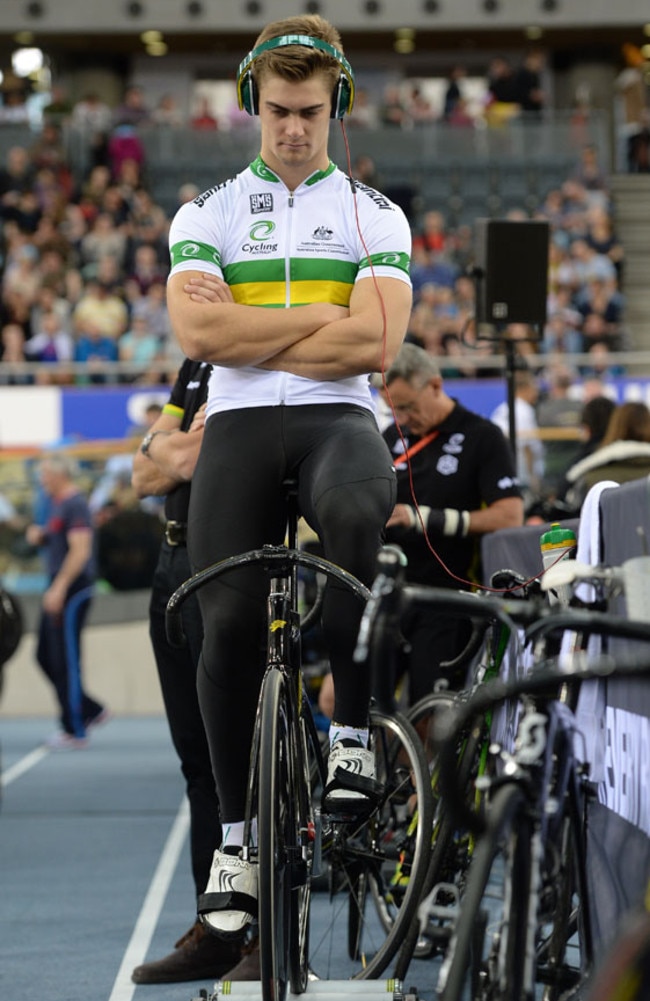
(511, 259)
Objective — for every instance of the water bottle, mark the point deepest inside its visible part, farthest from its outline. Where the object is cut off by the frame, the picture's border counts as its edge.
(558, 543)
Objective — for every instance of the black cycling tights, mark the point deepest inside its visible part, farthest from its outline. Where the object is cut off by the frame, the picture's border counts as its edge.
(346, 491)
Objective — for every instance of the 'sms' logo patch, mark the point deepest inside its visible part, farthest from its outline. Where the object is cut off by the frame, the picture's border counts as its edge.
(262, 202)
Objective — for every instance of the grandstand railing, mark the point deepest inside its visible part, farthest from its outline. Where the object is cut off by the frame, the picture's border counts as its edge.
(212, 156)
(46, 373)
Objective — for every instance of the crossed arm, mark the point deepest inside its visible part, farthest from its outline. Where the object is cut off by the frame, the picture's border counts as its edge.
(317, 341)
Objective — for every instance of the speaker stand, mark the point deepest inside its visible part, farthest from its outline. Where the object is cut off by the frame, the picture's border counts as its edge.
(513, 364)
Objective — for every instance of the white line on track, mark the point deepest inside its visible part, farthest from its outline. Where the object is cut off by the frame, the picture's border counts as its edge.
(136, 950)
(22, 766)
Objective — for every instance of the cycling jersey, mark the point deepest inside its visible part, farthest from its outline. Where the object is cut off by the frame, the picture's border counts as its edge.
(278, 248)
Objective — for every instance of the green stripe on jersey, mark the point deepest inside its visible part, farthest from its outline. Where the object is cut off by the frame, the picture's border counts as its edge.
(311, 270)
(244, 272)
(262, 170)
(390, 259)
(320, 174)
(300, 270)
(194, 250)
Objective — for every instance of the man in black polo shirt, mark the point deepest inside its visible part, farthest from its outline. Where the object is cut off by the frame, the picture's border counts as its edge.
(456, 480)
(163, 466)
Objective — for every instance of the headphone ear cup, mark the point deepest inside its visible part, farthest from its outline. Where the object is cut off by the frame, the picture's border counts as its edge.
(341, 97)
(248, 91)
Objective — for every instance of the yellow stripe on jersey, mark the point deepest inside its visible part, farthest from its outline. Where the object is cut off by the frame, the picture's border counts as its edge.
(302, 293)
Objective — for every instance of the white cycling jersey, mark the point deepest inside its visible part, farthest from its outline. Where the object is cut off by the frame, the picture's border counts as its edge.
(278, 248)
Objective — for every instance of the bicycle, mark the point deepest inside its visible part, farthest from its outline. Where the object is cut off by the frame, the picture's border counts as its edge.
(380, 636)
(454, 861)
(533, 834)
(286, 753)
(452, 847)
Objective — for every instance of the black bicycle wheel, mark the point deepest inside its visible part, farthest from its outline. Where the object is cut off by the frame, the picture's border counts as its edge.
(302, 864)
(489, 955)
(376, 866)
(450, 847)
(564, 949)
(276, 832)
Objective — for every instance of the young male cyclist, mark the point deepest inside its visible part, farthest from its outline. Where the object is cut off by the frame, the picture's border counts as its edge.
(292, 281)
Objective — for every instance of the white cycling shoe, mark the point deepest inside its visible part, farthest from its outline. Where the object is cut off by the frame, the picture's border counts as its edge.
(351, 786)
(229, 904)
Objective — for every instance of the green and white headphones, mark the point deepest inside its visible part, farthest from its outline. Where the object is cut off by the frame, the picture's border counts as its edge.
(342, 96)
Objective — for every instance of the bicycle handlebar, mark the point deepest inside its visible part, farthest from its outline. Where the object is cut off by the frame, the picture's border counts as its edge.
(388, 581)
(501, 580)
(586, 620)
(534, 615)
(278, 560)
(391, 596)
(379, 631)
(471, 648)
(546, 679)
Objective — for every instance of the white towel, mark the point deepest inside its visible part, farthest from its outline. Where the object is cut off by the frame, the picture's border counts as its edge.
(590, 713)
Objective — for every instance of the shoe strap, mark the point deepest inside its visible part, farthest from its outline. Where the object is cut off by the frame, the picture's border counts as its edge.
(230, 900)
(343, 779)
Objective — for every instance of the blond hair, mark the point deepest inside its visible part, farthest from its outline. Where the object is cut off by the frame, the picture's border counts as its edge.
(298, 62)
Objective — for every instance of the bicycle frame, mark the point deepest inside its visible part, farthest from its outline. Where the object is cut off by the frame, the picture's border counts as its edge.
(282, 654)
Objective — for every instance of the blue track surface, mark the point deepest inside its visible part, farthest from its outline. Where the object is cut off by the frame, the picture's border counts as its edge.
(94, 864)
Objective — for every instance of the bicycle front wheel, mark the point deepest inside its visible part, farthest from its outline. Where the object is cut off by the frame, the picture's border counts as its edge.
(489, 956)
(377, 865)
(277, 837)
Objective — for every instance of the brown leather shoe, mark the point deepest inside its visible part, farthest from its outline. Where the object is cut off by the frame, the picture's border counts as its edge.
(248, 967)
(196, 956)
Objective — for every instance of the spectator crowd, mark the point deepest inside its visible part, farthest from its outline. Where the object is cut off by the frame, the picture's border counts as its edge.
(84, 259)
(84, 265)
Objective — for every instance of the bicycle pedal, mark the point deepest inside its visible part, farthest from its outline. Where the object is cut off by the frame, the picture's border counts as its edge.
(352, 816)
(433, 942)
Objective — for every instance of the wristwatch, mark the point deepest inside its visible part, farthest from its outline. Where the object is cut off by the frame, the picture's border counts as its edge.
(146, 442)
